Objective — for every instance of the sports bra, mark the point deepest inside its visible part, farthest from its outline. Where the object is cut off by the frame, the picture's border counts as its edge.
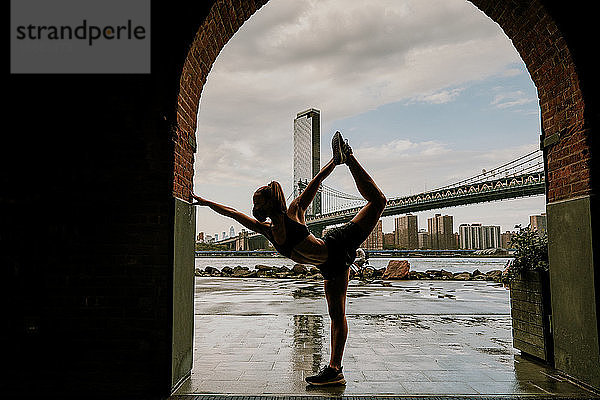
(295, 232)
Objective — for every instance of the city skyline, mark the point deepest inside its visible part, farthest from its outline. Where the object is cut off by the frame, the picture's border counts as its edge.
(420, 111)
(466, 236)
(388, 223)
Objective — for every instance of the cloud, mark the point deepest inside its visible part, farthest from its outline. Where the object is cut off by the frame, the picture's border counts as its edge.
(441, 97)
(348, 58)
(512, 72)
(514, 100)
(511, 99)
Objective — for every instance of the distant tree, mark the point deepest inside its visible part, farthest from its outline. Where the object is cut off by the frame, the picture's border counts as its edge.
(209, 246)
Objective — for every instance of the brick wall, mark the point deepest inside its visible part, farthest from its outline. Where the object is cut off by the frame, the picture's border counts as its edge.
(87, 211)
(544, 50)
(223, 20)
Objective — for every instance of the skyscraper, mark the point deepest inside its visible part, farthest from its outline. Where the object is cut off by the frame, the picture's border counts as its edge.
(389, 241)
(477, 236)
(375, 239)
(424, 239)
(231, 231)
(406, 232)
(505, 240)
(441, 232)
(307, 152)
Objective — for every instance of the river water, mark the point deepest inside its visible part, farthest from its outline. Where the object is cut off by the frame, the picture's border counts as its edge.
(421, 264)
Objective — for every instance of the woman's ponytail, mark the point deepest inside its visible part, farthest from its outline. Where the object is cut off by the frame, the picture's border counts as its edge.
(277, 196)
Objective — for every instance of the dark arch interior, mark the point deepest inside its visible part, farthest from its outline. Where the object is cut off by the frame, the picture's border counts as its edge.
(97, 170)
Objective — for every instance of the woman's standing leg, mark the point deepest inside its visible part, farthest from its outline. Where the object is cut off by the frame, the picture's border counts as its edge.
(335, 290)
(335, 294)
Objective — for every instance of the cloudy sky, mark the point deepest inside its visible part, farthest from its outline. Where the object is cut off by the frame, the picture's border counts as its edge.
(427, 92)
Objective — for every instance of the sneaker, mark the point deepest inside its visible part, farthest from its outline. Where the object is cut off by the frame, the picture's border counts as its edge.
(338, 148)
(347, 148)
(327, 376)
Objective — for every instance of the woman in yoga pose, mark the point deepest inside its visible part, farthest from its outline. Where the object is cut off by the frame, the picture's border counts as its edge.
(333, 254)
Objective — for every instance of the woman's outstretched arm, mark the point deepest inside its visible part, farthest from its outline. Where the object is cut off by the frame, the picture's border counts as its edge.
(246, 221)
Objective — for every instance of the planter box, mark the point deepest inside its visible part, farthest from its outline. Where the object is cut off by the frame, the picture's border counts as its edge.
(531, 315)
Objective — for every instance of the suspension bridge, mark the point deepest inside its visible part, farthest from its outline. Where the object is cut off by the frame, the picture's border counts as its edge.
(522, 177)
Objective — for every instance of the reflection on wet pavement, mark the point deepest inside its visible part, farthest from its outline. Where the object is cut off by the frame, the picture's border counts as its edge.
(291, 297)
(269, 335)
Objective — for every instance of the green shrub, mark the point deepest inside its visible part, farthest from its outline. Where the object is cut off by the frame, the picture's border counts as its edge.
(531, 252)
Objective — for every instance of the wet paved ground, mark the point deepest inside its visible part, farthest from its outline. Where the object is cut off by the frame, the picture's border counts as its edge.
(260, 337)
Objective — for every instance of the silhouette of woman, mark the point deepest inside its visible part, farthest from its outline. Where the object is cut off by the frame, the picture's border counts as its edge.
(333, 254)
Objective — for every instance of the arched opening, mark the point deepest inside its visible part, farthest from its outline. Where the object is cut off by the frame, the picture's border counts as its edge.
(565, 141)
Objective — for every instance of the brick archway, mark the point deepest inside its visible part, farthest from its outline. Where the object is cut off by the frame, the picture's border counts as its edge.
(566, 139)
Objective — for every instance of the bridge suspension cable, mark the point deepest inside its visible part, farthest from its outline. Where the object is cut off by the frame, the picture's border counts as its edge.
(334, 199)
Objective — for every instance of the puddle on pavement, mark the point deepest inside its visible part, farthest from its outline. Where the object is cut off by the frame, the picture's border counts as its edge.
(390, 321)
(229, 296)
(311, 292)
(308, 342)
(493, 351)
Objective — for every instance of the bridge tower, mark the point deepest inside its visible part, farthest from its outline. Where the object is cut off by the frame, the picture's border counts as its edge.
(307, 153)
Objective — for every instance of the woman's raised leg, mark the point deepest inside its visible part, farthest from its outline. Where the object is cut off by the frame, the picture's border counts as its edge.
(368, 216)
